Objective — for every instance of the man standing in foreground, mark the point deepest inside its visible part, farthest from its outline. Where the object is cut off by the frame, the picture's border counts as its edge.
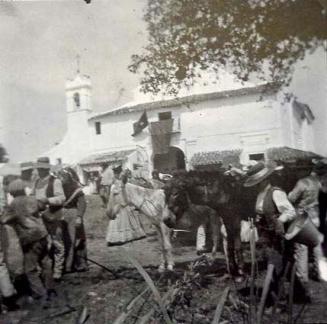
(107, 179)
(49, 192)
(304, 197)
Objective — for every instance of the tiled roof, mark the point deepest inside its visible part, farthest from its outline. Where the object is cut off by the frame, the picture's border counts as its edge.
(216, 157)
(290, 155)
(186, 100)
(109, 157)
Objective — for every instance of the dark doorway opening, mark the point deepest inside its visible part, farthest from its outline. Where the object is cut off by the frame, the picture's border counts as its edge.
(173, 160)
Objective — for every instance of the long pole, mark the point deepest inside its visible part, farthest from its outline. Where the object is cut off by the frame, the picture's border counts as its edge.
(252, 283)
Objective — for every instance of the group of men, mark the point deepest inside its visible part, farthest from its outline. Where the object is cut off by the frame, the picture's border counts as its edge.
(32, 209)
(288, 223)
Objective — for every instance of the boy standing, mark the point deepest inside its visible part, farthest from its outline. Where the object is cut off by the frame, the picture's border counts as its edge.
(23, 215)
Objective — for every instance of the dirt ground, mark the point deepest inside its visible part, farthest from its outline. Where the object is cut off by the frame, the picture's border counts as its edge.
(103, 297)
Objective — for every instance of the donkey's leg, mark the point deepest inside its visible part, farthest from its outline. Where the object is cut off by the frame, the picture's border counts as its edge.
(200, 239)
(215, 221)
(215, 239)
(167, 247)
(162, 265)
(226, 247)
(238, 249)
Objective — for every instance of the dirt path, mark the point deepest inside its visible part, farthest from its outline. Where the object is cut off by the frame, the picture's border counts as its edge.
(106, 297)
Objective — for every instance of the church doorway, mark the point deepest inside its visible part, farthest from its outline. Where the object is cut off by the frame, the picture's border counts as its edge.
(173, 160)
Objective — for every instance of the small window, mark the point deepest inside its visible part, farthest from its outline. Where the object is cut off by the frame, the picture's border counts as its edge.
(77, 99)
(257, 157)
(165, 115)
(97, 128)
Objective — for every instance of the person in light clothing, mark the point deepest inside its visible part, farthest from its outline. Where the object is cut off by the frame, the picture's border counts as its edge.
(275, 213)
(107, 179)
(50, 194)
(304, 196)
(126, 226)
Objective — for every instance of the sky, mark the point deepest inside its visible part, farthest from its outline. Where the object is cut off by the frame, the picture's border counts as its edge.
(39, 42)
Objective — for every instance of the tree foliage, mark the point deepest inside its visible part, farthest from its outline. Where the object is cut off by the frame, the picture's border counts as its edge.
(3, 154)
(265, 37)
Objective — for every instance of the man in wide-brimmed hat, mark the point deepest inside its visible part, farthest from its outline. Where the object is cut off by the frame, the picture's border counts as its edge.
(274, 212)
(27, 169)
(51, 197)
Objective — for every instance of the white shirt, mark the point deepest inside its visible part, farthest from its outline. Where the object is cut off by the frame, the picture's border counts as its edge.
(58, 192)
(285, 208)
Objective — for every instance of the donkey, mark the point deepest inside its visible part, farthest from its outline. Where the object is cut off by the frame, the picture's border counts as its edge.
(151, 203)
(189, 216)
(224, 194)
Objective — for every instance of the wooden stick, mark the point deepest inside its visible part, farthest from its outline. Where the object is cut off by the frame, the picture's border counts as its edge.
(280, 289)
(220, 306)
(252, 283)
(129, 309)
(145, 318)
(268, 279)
(103, 267)
(291, 296)
(150, 283)
(83, 316)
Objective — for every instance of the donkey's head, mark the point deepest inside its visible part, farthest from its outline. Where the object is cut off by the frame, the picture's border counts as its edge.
(178, 203)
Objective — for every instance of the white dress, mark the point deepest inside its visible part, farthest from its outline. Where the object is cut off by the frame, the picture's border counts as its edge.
(126, 227)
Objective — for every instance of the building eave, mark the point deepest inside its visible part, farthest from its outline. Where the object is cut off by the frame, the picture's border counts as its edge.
(268, 88)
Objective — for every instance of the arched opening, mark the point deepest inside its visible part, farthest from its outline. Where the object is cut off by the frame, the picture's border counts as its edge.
(77, 99)
(173, 160)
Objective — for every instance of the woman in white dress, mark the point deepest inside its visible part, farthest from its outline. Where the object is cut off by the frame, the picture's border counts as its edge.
(126, 226)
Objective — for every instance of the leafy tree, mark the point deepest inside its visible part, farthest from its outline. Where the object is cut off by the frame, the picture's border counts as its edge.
(261, 37)
(3, 154)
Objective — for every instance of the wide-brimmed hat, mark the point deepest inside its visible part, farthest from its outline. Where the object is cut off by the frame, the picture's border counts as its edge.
(117, 168)
(260, 172)
(27, 166)
(43, 163)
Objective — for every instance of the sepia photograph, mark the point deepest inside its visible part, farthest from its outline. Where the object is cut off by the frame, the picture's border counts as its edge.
(163, 161)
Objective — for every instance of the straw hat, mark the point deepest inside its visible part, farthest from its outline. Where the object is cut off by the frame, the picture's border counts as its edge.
(43, 163)
(117, 168)
(260, 172)
(24, 166)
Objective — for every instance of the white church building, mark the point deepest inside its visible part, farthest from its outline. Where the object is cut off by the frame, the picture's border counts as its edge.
(237, 122)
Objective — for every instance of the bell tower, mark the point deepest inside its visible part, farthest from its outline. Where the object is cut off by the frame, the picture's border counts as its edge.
(79, 108)
(78, 92)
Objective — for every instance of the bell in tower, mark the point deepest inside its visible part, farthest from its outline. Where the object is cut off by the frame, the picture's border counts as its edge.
(77, 100)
